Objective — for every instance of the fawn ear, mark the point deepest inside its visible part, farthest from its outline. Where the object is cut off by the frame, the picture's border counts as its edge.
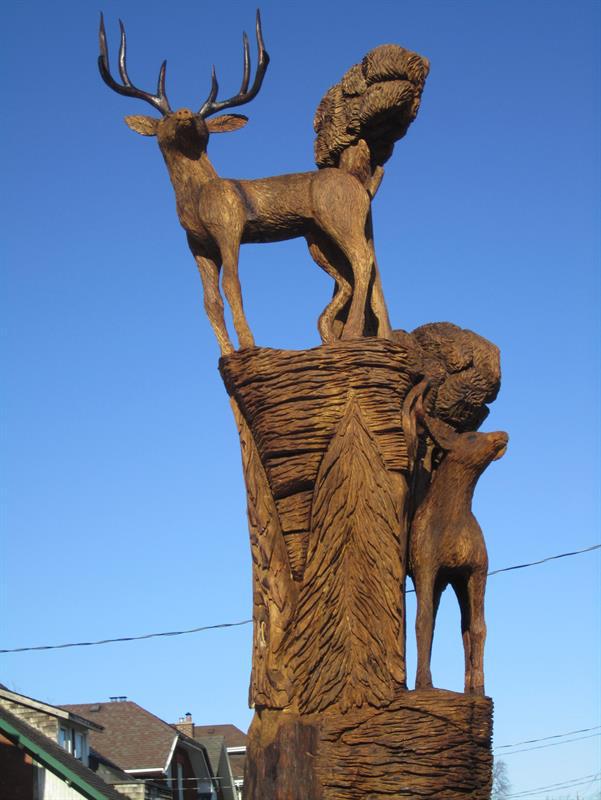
(226, 122)
(147, 126)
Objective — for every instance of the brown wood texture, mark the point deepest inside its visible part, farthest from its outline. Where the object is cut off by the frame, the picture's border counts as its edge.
(332, 440)
(360, 457)
(325, 462)
(428, 744)
(446, 545)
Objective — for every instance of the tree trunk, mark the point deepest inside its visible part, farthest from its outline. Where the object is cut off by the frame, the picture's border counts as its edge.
(328, 467)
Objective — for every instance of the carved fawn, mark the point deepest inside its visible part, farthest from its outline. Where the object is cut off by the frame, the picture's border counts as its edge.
(328, 206)
(446, 545)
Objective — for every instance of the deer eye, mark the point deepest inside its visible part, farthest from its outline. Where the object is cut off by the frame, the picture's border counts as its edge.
(472, 437)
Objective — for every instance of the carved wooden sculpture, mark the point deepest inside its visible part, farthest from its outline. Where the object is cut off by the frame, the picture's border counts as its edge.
(360, 458)
(329, 207)
(446, 545)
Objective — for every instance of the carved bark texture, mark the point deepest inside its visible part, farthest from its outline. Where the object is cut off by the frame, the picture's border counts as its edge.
(274, 591)
(294, 401)
(348, 648)
(433, 744)
(328, 468)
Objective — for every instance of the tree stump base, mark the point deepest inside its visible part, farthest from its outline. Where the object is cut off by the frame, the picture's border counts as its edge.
(425, 744)
(329, 451)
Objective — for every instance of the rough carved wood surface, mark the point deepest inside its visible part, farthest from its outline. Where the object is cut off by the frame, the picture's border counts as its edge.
(330, 443)
(295, 400)
(325, 458)
(429, 744)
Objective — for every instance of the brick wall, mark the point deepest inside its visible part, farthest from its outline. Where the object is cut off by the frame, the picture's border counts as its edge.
(16, 772)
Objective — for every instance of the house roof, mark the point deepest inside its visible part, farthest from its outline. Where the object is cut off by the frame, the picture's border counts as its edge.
(213, 745)
(232, 735)
(55, 759)
(132, 737)
(46, 708)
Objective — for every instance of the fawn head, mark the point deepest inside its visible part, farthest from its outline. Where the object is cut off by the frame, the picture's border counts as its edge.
(184, 130)
(472, 448)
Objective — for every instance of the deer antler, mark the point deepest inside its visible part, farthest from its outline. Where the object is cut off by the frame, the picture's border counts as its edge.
(244, 96)
(158, 100)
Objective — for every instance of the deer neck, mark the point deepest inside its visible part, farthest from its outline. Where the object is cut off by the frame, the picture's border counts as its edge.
(455, 482)
(187, 177)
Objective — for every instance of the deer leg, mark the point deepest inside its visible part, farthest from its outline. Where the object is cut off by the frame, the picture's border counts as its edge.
(230, 251)
(359, 254)
(378, 304)
(319, 249)
(460, 589)
(424, 628)
(476, 587)
(213, 303)
(341, 211)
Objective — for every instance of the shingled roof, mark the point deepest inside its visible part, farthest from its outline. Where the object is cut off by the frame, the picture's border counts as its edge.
(232, 735)
(213, 745)
(132, 737)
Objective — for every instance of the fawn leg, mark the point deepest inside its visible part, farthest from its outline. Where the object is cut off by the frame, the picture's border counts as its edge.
(424, 628)
(476, 587)
(460, 589)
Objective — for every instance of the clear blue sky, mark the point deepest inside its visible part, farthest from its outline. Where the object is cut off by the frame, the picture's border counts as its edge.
(124, 507)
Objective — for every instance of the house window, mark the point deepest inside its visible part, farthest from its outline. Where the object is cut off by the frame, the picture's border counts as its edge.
(73, 742)
(65, 739)
(79, 743)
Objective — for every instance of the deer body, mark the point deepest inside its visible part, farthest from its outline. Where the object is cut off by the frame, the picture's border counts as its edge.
(446, 546)
(329, 207)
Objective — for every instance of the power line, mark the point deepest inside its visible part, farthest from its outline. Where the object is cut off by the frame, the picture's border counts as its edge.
(248, 621)
(543, 560)
(546, 738)
(570, 784)
(128, 638)
(550, 744)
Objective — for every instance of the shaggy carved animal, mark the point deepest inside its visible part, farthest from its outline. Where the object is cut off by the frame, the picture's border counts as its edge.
(446, 545)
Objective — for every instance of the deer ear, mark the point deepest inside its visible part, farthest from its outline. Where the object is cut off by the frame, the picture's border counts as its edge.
(226, 122)
(147, 126)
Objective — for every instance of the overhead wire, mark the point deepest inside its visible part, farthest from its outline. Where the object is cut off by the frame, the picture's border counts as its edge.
(248, 621)
(545, 738)
(550, 744)
(569, 784)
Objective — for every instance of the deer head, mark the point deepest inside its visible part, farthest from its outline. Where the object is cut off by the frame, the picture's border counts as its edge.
(184, 130)
(472, 449)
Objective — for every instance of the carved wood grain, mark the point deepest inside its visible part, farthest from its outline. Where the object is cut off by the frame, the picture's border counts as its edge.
(348, 648)
(274, 590)
(434, 745)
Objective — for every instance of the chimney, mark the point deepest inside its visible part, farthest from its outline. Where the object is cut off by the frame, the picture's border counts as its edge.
(185, 725)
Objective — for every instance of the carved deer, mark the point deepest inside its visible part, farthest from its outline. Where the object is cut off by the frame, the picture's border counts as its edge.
(446, 545)
(329, 207)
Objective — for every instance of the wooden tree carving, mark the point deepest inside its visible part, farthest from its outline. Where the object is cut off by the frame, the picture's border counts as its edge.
(360, 456)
